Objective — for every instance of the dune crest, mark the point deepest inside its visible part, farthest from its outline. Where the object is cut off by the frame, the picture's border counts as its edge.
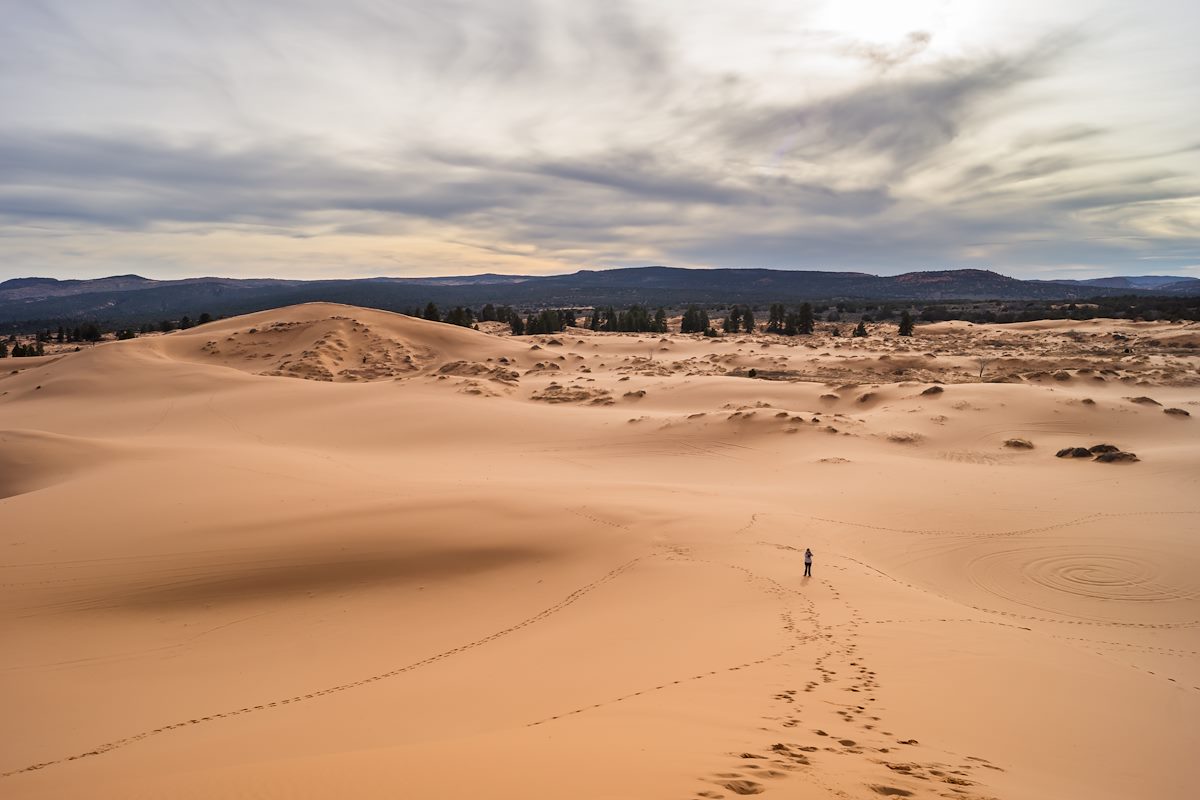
(328, 342)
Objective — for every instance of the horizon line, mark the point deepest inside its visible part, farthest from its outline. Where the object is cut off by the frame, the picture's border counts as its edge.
(589, 269)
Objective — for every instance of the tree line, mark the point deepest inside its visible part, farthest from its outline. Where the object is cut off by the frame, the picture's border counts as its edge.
(1130, 307)
(90, 333)
(19, 349)
(544, 321)
(799, 321)
(635, 319)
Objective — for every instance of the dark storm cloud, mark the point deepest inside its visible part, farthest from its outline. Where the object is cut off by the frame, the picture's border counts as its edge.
(904, 119)
(138, 180)
(650, 175)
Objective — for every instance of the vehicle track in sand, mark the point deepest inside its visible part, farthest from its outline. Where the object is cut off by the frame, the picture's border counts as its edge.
(1083, 520)
(1158, 593)
(1012, 614)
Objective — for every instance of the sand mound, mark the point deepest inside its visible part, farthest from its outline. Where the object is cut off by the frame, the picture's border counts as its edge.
(330, 342)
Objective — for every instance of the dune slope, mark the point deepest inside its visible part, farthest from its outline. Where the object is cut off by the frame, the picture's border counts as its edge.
(330, 552)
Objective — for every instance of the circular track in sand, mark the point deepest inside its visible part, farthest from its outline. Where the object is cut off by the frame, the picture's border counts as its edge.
(1098, 580)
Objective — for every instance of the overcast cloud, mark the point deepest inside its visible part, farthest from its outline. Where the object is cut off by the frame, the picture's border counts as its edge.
(302, 138)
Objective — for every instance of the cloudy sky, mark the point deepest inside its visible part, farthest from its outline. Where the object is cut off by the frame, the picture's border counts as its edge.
(307, 138)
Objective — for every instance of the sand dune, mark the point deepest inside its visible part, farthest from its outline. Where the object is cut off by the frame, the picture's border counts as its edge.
(328, 342)
(324, 551)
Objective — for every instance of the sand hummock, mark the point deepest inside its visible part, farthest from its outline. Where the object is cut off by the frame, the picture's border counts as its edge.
(330, 552)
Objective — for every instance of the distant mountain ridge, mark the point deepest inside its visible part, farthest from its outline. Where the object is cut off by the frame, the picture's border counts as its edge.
(42, 288)
(127, 298)
(1169, 283)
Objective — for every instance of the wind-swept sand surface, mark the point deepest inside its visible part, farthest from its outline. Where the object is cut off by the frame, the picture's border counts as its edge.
(330, 552)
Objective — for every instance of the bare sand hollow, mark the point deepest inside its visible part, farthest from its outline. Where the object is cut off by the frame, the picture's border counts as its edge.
(330, 552)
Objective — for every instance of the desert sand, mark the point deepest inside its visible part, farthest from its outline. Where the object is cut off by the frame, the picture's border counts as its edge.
(325, 552)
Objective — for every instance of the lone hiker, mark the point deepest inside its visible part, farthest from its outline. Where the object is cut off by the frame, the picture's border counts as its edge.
(807, 563)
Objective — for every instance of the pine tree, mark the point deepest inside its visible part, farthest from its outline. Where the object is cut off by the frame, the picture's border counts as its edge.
(458, 316)
(3, 349)
(695, 320)
(514, 322)
(205, 318)
(748, 319)
(186, 322)
(906, 324)
(861, 330)
(635, 320)
(61, 336)
(804, 320)
(431, 313)
(733, 321)
(660, 320)
(488, 313)
(548, 320)
(791, 324)
(775, 318)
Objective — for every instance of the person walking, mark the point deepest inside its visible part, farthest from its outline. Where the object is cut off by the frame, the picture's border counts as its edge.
(807, 563)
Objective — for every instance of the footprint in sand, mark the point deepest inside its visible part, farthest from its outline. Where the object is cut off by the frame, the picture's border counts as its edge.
(744, 787)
